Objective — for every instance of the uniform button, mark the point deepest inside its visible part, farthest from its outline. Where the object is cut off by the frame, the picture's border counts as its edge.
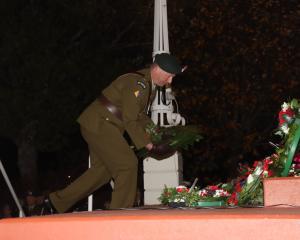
(106, 119)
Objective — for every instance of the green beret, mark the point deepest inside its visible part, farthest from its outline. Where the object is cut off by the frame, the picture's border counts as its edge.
(168, 63)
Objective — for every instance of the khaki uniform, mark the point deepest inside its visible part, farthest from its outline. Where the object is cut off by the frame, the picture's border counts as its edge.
(111, 156)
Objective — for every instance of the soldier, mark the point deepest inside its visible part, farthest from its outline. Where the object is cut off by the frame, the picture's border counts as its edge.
(121, 107)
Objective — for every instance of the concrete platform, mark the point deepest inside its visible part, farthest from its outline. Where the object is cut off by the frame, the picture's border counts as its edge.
(155, 224)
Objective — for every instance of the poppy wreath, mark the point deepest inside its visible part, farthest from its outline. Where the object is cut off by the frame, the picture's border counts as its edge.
(247, 188)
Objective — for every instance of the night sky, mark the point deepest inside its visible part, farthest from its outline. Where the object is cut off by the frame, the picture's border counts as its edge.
(56, 56)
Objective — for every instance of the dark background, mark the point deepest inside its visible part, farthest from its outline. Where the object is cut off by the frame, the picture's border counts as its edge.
(57, 55)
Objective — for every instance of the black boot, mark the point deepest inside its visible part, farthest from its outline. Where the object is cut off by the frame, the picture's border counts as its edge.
(47, 207)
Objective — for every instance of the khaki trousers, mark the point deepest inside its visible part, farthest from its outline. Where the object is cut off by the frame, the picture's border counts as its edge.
(111, 157)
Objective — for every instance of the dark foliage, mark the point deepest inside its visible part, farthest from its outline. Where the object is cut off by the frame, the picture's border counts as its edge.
(243, 57)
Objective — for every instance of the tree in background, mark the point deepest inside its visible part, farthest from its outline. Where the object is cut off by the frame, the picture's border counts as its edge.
(56, 56)
(243, 57)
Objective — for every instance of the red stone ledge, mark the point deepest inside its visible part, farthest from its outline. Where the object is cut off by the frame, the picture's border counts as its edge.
(213, 224)
(282, 192)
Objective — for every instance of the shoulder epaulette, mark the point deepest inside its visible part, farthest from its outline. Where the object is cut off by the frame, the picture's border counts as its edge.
(139, 82)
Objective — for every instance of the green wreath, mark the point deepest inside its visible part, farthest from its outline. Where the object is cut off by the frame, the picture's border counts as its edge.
(177, 137)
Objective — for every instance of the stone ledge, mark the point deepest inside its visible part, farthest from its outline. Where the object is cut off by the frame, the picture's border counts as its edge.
(281, 192)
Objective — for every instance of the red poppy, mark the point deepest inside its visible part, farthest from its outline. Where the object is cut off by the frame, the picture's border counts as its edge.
(181, 189)
(270, 173)
(297, 166)
(297, 158)
(233, 199)
(255, 164)
(289, 112)
(238, 187)
(213, 188)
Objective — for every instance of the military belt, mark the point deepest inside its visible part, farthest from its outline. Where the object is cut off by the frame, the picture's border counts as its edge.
(110, 106)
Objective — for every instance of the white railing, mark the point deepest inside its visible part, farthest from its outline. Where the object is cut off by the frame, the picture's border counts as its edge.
(12, 191)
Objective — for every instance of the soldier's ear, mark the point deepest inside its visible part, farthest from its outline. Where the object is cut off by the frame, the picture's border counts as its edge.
(155, 67)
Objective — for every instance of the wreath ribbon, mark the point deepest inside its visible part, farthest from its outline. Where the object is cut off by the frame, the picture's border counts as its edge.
(292, 150)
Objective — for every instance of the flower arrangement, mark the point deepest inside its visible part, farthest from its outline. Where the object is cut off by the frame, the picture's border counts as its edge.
(182, 196)
(285, 161)
(289, 130)
(177, 137)
(247, 188)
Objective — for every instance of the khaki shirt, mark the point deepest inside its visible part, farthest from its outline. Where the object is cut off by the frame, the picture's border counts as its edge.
(131, 93)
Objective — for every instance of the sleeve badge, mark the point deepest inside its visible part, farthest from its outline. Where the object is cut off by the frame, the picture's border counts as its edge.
(137, 93)
(143, 85)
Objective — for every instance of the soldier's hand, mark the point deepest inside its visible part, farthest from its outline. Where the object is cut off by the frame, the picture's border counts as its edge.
(149, 146)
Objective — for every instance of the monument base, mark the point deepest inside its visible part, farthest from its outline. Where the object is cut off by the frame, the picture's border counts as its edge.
(282, 192)
(158, 174)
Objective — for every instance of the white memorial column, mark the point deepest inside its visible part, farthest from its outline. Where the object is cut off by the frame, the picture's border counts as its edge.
(168, 171)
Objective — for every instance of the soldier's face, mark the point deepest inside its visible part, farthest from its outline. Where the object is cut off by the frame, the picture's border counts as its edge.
(162, 78)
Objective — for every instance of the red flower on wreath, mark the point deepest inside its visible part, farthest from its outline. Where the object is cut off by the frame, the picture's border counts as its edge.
(233, 200)
(213, 188)
(181, 189)
(238, 187)
(297, 158)
(288, 112)
(266, 167)
(296, 161)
